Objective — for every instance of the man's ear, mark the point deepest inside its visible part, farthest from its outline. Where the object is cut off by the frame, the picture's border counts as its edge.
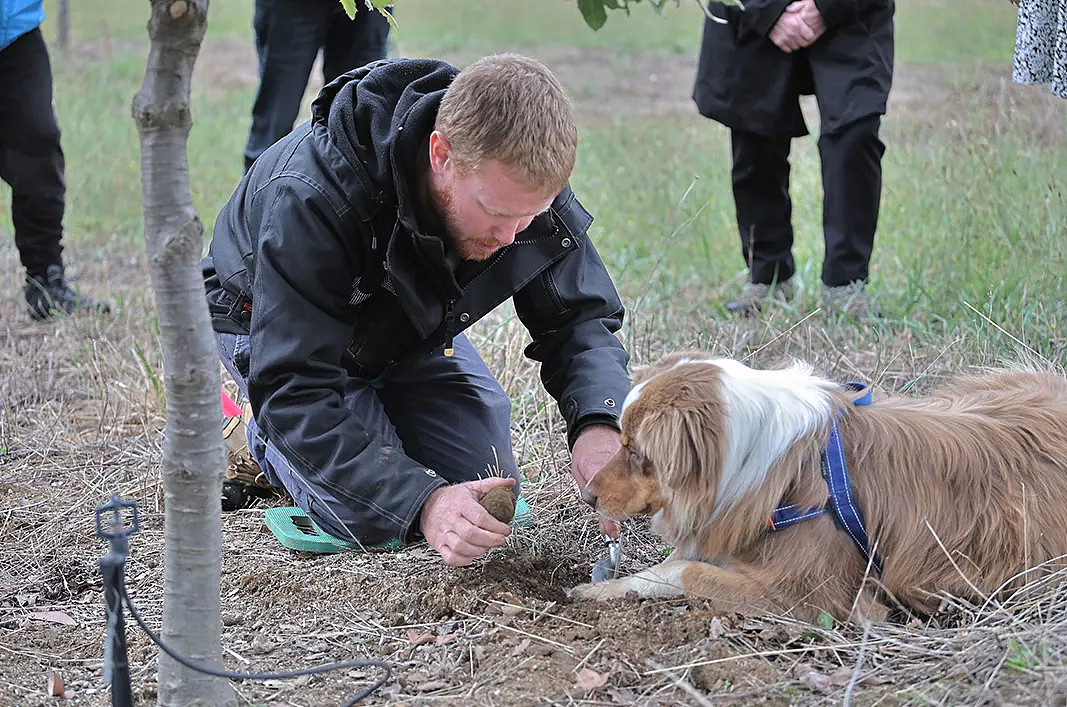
(440, 153)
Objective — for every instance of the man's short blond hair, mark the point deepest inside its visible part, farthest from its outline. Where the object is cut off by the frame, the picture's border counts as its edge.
(511, 108)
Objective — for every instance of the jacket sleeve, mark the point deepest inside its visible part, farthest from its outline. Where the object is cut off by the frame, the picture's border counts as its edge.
(301, 325)
(838, 12)
(572, 312)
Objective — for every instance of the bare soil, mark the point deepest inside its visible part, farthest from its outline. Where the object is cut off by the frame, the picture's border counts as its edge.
(80, 416)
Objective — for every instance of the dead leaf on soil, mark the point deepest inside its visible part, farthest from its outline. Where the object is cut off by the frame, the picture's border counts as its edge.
(811, 678)
(589, 679)
(841, 676)
(55, 617)
(417, 639)
(55, 685)
(521, 649)
(431, 686)
(416, 677)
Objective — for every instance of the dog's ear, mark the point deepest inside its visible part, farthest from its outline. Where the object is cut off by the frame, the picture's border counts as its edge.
(684, 445)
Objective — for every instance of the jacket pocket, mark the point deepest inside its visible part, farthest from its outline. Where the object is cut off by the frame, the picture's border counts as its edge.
(242, 355)
(553, 292)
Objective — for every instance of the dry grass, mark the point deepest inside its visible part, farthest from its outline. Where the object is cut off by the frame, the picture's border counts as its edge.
(81, 412)
(80, 416)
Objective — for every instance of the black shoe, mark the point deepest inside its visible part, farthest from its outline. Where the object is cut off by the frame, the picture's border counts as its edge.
(49, 294)
(237, 495)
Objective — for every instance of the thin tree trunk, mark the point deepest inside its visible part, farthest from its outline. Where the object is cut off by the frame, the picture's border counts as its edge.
(63, 25)
(193, 455)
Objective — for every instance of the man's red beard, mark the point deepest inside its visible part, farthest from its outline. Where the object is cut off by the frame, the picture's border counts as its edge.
(442, 203)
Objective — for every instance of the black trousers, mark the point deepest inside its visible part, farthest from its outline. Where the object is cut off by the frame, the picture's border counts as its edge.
(288, 36)
(31, 160)
(852, 188)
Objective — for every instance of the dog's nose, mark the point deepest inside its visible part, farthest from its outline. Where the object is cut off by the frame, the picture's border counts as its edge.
(589, 497)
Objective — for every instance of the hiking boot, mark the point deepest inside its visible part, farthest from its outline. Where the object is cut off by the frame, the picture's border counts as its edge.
(754, 294)
(49, 294)
(243, 481)
(851, 299)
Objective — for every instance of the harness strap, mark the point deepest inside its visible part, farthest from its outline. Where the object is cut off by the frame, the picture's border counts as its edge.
(841, 502)
(786, 515)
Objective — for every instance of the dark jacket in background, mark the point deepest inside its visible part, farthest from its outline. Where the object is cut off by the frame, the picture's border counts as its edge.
(320, 258)
(746, 82)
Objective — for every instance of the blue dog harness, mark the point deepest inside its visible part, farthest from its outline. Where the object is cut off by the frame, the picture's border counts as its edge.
(841, 503)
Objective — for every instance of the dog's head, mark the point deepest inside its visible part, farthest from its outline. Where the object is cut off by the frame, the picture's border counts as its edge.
(672, 437)
(703, 432)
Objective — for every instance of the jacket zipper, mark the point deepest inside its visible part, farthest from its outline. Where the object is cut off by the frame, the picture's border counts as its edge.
(450, 316)
(450, 326)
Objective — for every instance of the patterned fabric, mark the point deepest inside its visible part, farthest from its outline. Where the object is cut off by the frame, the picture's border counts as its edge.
(1041, 44)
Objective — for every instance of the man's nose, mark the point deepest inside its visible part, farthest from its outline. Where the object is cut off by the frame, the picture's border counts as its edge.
(589, 497)
(506, 237)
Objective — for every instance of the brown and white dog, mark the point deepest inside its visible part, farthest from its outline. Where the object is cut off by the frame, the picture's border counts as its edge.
(963, 491)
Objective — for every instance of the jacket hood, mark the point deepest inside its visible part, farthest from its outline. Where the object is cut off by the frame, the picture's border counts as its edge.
(377, 116)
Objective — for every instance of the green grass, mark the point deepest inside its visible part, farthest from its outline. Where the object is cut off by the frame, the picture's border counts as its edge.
(127, 20)
(973, 209)
(929, 31)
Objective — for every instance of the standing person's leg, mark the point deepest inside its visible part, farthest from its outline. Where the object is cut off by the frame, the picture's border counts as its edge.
(452, 415)
(764, 213)
(288, 35)
(852, 187)
(32, 160)
(350, 44)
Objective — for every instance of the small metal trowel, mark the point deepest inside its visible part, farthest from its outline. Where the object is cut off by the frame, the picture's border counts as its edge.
(608, 567)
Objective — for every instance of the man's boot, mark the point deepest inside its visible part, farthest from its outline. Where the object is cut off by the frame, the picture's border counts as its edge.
(244, 481)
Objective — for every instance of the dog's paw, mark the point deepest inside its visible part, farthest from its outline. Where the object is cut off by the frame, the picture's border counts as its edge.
(599, 591)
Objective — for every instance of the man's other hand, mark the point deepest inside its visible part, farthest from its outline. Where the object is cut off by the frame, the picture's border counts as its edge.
(809, 12)
(792, 30)
(457, 525)
(594, 447)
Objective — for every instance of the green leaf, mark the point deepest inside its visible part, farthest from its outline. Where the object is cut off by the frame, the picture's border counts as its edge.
(382, 6)
(594, 12)
(1020, 658)
(350, 8)
(825, 621)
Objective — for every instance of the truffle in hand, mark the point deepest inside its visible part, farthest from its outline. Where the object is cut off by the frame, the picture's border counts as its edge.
(500, 503)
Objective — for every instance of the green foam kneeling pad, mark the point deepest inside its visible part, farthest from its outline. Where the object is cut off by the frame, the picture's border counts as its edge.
(297, 531)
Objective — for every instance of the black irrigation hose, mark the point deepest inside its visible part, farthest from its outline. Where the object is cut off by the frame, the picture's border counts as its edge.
(386, 667)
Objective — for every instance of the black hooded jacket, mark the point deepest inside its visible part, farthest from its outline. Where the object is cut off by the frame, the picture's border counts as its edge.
(319, 258)
(747, 83)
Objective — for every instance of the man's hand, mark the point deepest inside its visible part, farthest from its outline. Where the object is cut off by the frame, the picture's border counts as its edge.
(594, 447)
(809, 12)
(457, 526)
(798, 27)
